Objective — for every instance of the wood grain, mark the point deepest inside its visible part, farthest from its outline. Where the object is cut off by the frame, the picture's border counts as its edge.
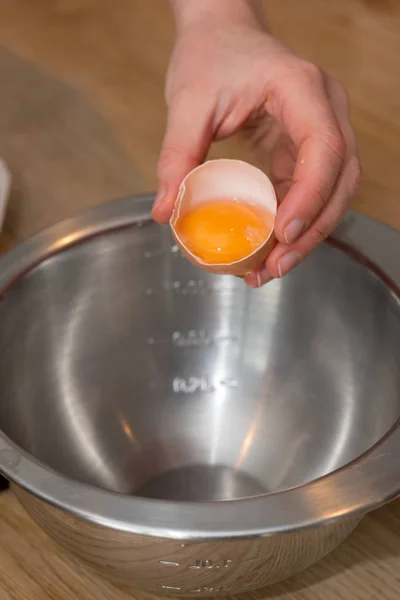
(181, 567)
(81, 119)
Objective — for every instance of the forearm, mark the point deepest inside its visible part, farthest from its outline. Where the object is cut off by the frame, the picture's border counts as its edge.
(189, 12)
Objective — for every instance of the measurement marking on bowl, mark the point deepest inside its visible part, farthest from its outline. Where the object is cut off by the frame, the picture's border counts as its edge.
(226, 337)
(171, 587)
(169, 563)
(191, 385)
(192, 287)
(247, 560)
(229, 383)
(200, 590)
(199, 338)
(208, 590)
(192, 338)
(211, 564)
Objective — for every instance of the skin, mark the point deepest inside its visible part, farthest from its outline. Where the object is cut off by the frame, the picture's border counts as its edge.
(228, 75)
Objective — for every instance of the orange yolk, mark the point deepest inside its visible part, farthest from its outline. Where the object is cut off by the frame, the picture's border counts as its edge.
(224, 231)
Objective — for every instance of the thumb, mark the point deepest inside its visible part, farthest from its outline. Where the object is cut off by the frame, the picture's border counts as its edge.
(185, 145)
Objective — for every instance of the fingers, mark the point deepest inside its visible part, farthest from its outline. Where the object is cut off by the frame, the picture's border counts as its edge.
(283, 160)
(313, 125)
(324, 215)
(286, 256)
(185, 145)
(316, 172)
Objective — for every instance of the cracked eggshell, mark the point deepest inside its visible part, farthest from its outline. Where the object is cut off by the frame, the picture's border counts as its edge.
(220, 179)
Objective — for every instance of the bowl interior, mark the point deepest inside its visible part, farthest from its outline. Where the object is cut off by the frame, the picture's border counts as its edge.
(124, 366)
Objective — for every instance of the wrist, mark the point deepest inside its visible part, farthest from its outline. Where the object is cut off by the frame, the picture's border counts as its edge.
(192, 12)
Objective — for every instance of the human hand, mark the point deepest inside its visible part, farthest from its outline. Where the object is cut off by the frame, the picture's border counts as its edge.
(231, 75)
(5, 184)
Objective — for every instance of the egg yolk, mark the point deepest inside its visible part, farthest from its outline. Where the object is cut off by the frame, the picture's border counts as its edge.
(224, 231)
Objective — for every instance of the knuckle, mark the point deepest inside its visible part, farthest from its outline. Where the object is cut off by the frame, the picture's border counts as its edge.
(178, 97)
(181, 94)
(318, 234)
(342, 95)
(335, 142)
(319, 201)
(355, 172)
(168, 153)
(168, 156)
(313, 72)
(171, 158)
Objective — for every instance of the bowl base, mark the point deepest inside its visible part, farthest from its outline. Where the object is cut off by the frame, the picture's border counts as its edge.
(201, 483)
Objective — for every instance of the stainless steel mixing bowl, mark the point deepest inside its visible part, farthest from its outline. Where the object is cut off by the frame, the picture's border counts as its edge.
(182, 433)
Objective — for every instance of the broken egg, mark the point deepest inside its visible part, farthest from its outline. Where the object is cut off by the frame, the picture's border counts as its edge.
(224, 215)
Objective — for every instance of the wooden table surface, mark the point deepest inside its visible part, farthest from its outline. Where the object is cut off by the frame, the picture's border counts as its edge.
(81, 119)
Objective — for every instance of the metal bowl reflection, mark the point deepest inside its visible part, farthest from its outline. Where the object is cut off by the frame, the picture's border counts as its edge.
(146, 398)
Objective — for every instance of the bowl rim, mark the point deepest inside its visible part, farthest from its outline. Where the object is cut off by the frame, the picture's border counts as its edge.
(367, 482)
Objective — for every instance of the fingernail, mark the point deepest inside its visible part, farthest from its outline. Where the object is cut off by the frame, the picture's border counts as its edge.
(257, 278)
(288, 261)
(293, 230)
(159, 197)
